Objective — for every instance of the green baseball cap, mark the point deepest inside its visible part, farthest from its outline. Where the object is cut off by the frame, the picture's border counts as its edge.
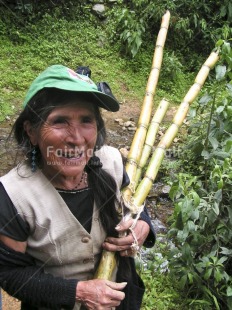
(61, 77)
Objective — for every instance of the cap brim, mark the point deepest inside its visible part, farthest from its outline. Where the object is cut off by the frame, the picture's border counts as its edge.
(102, 100)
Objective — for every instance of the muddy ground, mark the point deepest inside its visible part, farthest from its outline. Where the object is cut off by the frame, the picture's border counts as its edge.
(117, 136)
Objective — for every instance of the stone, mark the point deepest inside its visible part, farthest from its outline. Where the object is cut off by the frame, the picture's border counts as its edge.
(129, 124)
(124, 152)
(131, 128)
(99, 10)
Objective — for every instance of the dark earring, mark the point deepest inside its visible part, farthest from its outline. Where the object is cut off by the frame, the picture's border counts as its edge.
(33, 158)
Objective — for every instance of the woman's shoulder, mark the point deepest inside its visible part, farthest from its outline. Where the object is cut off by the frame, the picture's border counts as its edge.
(109, 152)
(11, 223)
(112, 161)
(20, 171)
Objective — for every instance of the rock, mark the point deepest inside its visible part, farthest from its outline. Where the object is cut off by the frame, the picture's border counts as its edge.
(129, 123)
(118, 120)
(166, 189)
(124, 152)
(131, 128)
(99, 10)
(159, 227)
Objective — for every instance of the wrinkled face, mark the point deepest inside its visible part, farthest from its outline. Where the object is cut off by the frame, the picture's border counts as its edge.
(67, 139)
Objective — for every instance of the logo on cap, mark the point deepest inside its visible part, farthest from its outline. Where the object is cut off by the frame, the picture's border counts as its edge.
(84, 78)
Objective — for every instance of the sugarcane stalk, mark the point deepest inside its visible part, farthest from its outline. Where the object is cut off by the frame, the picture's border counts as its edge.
(145, 185)
(106, 266)
(145, 115)
(150, 137)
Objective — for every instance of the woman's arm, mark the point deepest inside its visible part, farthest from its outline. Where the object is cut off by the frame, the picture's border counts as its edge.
(21, 278)
(13, 244)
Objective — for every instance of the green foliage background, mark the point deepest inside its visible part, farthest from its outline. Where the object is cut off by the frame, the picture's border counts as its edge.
(119, 50)
(35, 34)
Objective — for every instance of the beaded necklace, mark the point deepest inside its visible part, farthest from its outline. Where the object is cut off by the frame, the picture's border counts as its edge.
(82, 179)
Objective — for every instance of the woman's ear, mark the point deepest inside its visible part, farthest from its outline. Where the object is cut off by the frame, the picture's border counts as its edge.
(31, 132)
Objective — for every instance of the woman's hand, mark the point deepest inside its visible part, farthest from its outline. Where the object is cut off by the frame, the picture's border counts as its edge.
(100, 294)
(124, 244)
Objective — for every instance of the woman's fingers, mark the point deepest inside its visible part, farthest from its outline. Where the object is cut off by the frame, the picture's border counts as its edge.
(124, 225)
(100, 294)
(141, 231)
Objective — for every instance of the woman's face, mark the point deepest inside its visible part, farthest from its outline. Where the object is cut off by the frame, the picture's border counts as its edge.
(67, 139)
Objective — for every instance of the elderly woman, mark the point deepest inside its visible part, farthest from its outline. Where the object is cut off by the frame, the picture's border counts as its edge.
(59, 207)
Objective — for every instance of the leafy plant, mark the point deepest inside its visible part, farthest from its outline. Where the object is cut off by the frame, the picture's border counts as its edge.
(162, 293)
(201, 225)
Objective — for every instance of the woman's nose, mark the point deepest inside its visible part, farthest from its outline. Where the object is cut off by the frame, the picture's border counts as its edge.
(74, 135)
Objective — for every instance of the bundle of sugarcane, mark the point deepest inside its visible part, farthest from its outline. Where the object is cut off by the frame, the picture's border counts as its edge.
(145, 185)
(134, 200)
(108, 260)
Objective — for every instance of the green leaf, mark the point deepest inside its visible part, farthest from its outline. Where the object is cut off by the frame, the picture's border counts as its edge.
(220, 109)
(220, 154)
(186, 252)
(220, 72)
(218, 275)
(191, 226)
(214, 142)
(205, 154)
(205, 99)
(208, 273)
(183, 281)
(196, 198)
(173, 192)
(229, 291)
(179, 221)
(229, 210)
(195, 215)
(218, 195)
(222, 260)
(226, 251)
(216, 208)
(219, 42)
(190, 277)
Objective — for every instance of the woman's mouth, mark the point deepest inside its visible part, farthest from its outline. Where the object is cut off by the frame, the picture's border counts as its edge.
(70, 154)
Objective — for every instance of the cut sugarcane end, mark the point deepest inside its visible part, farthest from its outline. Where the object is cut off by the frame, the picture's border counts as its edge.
(212, 59)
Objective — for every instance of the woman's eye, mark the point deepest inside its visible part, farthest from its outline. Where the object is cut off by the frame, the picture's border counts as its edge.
(60, 121)
(87, 119)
